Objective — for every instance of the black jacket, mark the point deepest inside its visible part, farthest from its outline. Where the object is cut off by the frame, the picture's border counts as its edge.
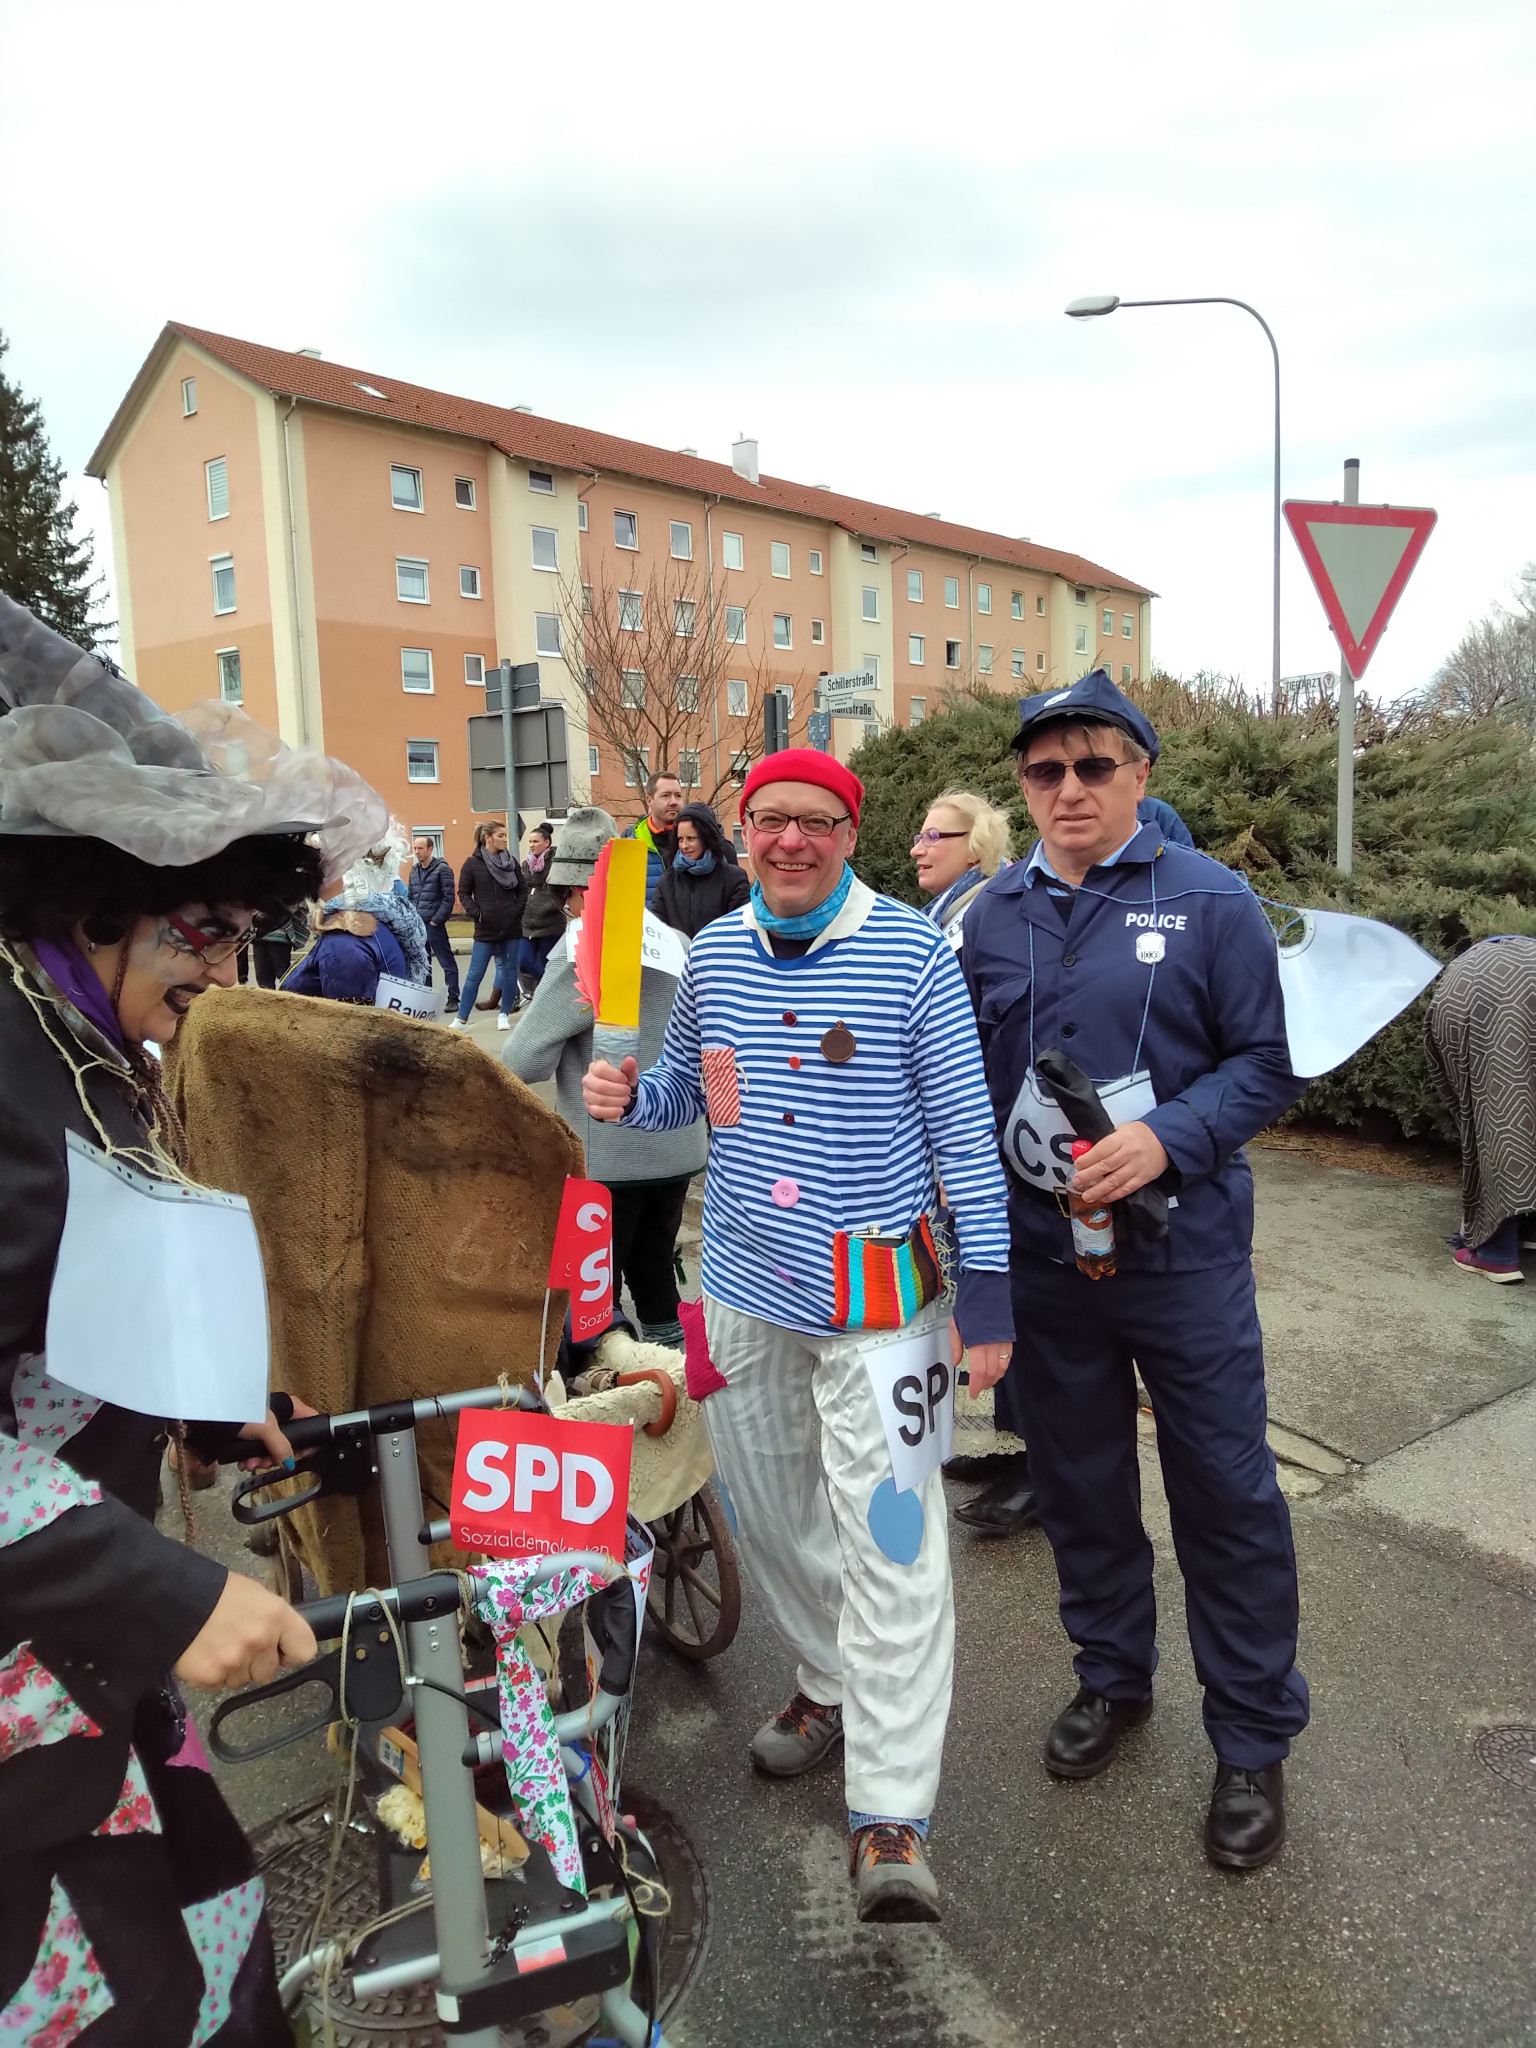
(105, 1602)
(498, 912)
(689, 902)
(543, 915)
(431, 890)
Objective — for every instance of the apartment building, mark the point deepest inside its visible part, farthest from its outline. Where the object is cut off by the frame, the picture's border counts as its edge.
(346, 554)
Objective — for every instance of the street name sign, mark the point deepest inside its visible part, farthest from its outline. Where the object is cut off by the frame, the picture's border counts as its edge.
(1359, 558)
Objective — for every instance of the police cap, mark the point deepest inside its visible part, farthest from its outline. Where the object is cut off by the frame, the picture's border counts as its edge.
(1093, 698)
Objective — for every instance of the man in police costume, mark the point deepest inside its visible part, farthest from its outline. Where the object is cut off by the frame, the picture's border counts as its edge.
(1155, 970)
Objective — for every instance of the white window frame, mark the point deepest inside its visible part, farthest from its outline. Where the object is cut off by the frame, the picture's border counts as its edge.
(870, 666)
(1039, 661)
(813, 561)
(952, 651)
(636, 757)
(917, 710)
(914, 586)
(1125, 672)
(951, 593)
(685, 693)
(1081, 644)
(738, 612)
(869, 603)
(428, 689)
(632, 545)
(1018, 661)
(1127, 626)
(915, 646)
(732, 544)
(868, 552)
(984, 599)
(469, 581)
(221, 464)
(783, 631)
(436, 775)
(217, 565)
(1109, 625)
(432, 832)
(685, 617)
(542, 481)
(413, 562)
(1016, 604)
(407, 469)
(475, 682)
(632, 688)
(464, 483)
(548, 634)
(631, 611)
(581, 515)
(778, 551)
(594, 760)
(188, 397)
(551, 535)
(220, 656)
(685, 552)
(1039, 606)
(736, 697)
(1079, 594)
(818, 632)
(984, 661)
(688, 767)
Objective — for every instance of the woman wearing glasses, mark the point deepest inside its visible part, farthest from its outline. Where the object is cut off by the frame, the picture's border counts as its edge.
(963, 842)
(132, 872)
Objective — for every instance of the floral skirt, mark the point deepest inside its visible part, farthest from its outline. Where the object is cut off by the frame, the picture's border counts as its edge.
(153, 1929)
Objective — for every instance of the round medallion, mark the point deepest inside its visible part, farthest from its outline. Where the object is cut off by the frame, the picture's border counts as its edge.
(839, 1045)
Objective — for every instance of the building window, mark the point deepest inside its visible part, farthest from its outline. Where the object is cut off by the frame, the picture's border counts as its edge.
(871, 667)
(464, 492)
(918, 711)
(541, 480)
(951, 653)
(223, 567)
(984, 660)
(591, 678)
(404, 488)
(1125, 672)
(434, 833)
(1081, 645)
(546, 548)
(915, 649)
(813, 559)
(421, 760)
(1127, 626)
(474, 670)
(1040, 663)
(469, 582)
(546, 633)
(783, 630)
(637, 765)
(1039, 607)
(1018, 661)
(581, 514)
(1109, 624)
(411, 581)
(631, 610)
(684, 611)
(871, 603)
(1017, 603)
(682, 541)
(914, 586)
(217, 473)
(736, 697)
(741, 766)
(594, 762)
(586, 600)
(983, 597)
(416, 669)
(686, 693)
(188, 397)
(632, 689)
(952, 593)
(228, 659)
(868, 552)
(736, 625)
(1080, 595)
(732, 552)
(778, 557)
(818, 632)
(688, 767)
(626, 530)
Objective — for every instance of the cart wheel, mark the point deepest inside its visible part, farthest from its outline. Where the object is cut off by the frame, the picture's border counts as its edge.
(695, 1591)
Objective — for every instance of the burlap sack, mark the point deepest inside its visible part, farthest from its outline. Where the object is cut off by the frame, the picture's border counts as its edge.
(405, 1189)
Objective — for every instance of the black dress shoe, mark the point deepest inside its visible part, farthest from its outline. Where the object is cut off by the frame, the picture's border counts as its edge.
(1007, 1504)
(1245, 1824)
(966, 1467)
(1085, 1735)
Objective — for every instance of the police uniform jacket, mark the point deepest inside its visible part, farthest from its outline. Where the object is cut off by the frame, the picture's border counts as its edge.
(1166, 964)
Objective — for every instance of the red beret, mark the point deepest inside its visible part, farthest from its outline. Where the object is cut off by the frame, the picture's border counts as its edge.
(806, 764)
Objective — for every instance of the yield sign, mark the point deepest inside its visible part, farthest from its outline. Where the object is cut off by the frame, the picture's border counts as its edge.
(1360, 558)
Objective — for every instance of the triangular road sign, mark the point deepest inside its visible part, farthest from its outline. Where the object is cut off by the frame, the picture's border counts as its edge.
(1360, 558)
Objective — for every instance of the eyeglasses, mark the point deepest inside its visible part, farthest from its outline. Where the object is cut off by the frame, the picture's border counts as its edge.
(814, 824)
(932, 838)
(212, 948)
(1091, 770)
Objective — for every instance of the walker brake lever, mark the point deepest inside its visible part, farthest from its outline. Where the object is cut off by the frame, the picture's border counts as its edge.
(340, 1457)
(369, 1687)
(284, 1504)
(324, 1671)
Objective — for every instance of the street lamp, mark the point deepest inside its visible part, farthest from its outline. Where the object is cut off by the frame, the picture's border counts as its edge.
(1097, 305)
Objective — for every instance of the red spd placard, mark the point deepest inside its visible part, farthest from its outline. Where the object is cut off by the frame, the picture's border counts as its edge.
(526, 1483)
(582, 1260)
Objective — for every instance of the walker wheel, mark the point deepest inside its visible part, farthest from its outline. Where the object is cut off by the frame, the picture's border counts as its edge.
(695, 1591)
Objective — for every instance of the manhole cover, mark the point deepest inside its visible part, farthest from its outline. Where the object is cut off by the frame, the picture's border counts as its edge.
(1510, 1753)
(293, 1852)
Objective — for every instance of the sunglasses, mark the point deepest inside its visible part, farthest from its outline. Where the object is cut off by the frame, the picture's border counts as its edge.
(1091, 770)
(212, 948)
(814, 824)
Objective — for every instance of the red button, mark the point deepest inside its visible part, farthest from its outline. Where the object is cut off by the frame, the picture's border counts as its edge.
(794, 1059)
(789, 1116)
(790, 1017)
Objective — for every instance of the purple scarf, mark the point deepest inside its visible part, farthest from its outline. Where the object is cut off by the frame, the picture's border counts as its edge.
(77, 980)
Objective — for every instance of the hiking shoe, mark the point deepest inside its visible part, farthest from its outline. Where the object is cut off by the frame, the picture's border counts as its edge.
(797, 1738)
(1501, 1271)
(889, 1864)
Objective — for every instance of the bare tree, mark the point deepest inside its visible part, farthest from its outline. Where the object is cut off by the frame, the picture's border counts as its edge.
(1493, 671)
(671, 681)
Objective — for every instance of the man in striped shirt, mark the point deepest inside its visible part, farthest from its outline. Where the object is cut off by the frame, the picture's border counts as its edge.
(827, 1034)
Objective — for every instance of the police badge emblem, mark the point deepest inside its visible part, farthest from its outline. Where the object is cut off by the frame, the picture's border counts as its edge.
(1150, 948)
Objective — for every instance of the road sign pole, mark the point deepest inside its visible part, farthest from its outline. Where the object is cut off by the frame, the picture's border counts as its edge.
(1346, 799)
(506, 755)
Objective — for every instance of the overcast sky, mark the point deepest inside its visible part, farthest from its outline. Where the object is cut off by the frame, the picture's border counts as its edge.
(850, 232)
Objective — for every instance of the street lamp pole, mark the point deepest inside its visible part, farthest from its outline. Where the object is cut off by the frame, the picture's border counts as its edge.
(1095, 307)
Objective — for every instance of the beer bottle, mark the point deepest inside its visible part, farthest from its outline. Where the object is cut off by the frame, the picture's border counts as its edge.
(1093, 1227)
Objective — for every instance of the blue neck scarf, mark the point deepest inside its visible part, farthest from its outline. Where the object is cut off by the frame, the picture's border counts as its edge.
(704, 865)
(809, 922)
(941, 905)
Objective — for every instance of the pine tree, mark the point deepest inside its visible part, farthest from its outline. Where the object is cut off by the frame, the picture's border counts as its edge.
(42, 564)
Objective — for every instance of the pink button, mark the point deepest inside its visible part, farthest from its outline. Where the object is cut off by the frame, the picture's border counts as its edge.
(785, 1193)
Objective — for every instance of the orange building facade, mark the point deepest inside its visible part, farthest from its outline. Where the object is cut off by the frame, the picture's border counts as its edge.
(345, 555)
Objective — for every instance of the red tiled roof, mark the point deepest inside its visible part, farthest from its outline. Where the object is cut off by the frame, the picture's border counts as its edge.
(532, 439)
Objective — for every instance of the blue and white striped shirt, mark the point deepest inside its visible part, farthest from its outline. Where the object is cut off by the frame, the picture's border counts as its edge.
(854, 1147)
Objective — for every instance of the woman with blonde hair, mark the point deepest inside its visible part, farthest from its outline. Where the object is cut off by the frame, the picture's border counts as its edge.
(963, 842)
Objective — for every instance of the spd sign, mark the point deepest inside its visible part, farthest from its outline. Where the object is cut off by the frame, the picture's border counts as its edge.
(915, 1389)
(524, 1483)
(582, 1260)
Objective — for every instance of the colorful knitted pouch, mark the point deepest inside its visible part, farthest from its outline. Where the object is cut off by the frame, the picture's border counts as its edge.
(880, 1283)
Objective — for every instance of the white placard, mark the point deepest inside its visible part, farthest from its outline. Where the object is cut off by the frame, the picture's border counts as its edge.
(159, 1301)
(1345, 980)
(1037, 1138)
(409, 1000)
(660, 946)
(914, 1385)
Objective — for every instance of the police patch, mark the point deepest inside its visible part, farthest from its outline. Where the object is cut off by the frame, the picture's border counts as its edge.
(1150, 947)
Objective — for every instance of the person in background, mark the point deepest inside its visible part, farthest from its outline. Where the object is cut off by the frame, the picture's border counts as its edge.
(494, 890)
(543, 918)
(1153, 811)
(272, 953)
(657, 830)
(1480, 1041)
(430, 888)
(704, 880)
(647, 1172)
(361, 934)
